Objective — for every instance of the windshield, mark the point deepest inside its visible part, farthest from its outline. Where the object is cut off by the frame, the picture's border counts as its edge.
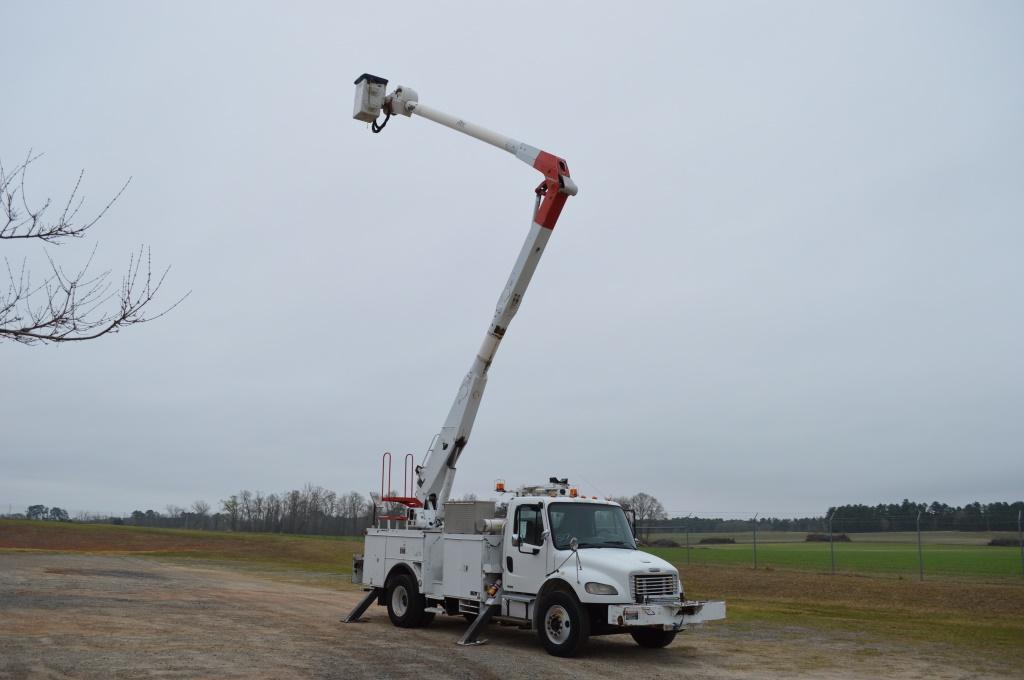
(593, 525)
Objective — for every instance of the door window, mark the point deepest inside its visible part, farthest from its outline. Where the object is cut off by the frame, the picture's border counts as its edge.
(528, 524)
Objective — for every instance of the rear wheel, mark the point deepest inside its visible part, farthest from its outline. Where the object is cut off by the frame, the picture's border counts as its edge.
(653, 638)
(405, 604)
(562, 624)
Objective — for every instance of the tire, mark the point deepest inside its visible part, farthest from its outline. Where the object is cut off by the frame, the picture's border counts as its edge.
(405, 604)
(653, 638)
(562, 624)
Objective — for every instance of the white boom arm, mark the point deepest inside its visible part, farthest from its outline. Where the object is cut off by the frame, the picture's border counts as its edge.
(435, 476)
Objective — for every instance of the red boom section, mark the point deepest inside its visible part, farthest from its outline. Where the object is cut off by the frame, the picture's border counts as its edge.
(554, 169)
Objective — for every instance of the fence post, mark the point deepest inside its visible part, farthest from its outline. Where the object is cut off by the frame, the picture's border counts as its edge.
(755, 540)
(831, 544)
(687, 545)
(920, 554)
(1020, 539)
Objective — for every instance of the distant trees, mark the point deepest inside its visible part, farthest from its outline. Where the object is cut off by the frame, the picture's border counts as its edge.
(854, 518)
(353, 506)
(646, 509)
(316, 510)
(310, 510)
(197, 517)
(998, 516)
(231, 507)
(53, 514)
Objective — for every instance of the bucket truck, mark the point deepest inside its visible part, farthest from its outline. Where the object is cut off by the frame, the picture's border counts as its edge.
(545, 558)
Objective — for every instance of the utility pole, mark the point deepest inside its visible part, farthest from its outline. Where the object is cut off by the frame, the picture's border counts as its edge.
(1020, 539)
(755, 540)
(831, 543)
(688, 547)
(920, 554)
(687, 518)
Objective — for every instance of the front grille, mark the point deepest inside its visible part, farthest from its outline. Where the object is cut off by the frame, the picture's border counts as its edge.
(654, 585)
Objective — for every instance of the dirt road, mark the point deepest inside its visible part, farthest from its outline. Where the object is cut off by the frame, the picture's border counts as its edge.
(84, 616)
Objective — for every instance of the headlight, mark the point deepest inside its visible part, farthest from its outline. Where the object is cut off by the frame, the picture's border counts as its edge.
(595, 588)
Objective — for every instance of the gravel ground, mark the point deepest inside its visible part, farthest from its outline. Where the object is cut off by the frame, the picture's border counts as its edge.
(88, 616)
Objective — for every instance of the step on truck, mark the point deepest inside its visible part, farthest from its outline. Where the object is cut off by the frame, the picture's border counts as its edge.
(544, 558)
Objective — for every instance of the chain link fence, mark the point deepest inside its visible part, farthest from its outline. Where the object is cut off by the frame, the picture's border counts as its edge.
(902, 546)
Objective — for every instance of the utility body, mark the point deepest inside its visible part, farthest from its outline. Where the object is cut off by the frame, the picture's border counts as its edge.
(543, 557)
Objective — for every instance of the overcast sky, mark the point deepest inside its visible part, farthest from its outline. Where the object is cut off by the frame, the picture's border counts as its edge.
(792, 277)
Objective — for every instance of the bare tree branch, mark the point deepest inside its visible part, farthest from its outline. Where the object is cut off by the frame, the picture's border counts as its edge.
(22, 221)
(67, 306)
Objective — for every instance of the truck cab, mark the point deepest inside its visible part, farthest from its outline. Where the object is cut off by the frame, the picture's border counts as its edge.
(575, 565)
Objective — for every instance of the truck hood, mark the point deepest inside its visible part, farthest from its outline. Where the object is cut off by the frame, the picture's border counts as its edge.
(610, 566)
(618, 562)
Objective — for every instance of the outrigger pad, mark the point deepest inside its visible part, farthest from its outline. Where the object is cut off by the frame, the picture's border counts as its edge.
(470, 637)
(364, 604)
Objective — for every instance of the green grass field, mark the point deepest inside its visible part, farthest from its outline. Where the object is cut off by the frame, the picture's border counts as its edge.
(865, 554)
(946, 554)
(320, 554)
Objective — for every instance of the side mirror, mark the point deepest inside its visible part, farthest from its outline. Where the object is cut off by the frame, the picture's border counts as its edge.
(516, 542)
(574, 545)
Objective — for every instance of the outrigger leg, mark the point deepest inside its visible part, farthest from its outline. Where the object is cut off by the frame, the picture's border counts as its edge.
(488, 609)
(471, 636)
(364, 604)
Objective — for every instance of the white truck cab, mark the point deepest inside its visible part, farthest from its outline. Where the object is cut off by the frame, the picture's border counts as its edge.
(585, 548)
(547, 559)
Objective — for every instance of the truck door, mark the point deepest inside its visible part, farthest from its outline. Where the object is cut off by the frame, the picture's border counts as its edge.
(526, 552)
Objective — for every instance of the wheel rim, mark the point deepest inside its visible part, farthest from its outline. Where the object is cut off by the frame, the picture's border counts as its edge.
(556, 624)
(400, 600)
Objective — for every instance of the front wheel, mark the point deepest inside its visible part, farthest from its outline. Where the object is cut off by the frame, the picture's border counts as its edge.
(562, 624)
(653, 638)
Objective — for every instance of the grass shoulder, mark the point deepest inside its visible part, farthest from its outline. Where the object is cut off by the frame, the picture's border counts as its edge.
(324, 554)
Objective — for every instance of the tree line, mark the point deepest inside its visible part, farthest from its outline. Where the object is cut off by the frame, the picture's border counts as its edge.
(316, 510)
(935, 516)
(309, 510)
(859, 518)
